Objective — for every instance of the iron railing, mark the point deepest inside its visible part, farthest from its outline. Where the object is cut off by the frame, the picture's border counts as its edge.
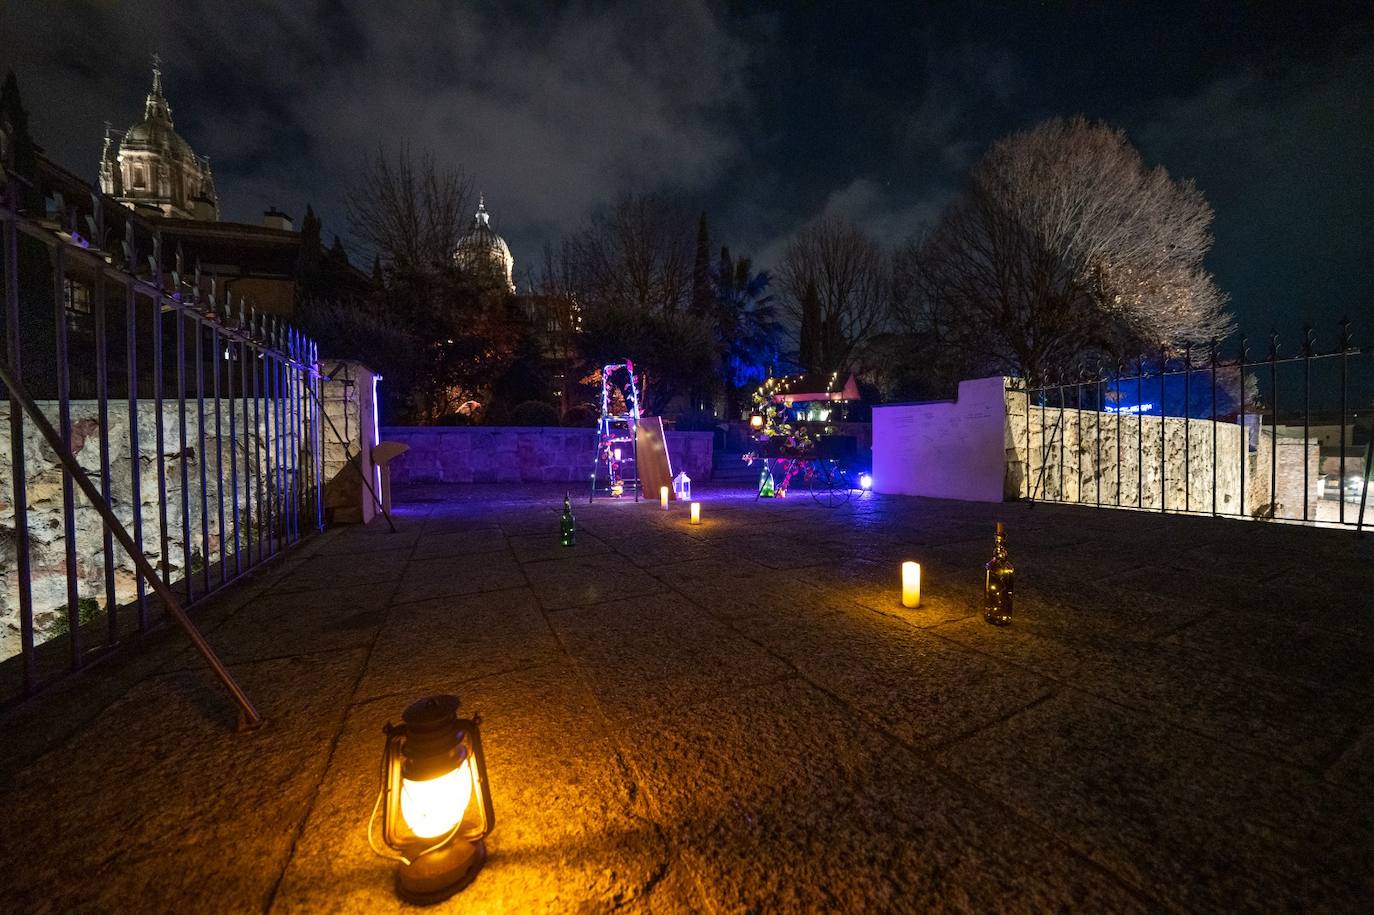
(1198, 430)
(205, 421)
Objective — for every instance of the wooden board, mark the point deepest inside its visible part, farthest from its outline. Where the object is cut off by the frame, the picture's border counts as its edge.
(651, 456)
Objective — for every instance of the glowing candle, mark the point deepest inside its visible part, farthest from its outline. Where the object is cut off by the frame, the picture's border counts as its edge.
(911, 584)
(663, 497)
(696, 513)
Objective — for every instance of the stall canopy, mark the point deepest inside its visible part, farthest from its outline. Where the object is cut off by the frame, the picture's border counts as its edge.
(815, 386)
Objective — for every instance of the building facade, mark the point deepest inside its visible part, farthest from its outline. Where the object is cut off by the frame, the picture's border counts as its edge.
(149, 166)
(484, 255)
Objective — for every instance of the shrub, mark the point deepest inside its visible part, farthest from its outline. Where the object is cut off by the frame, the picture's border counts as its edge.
(454, 419)
(580, 417)
(534, 413)
(696, 421)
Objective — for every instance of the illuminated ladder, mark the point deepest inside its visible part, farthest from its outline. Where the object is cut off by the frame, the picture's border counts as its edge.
(617, 432)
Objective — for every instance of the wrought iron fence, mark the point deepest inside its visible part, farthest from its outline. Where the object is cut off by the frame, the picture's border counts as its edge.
(189, 423)
(1284, 437)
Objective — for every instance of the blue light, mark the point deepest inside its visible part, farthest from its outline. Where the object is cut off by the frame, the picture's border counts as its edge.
(865, 481)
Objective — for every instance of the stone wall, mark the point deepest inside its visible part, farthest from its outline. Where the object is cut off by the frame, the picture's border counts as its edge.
(510, 454)
(1152, 462)
(348, 432)
(43, 475)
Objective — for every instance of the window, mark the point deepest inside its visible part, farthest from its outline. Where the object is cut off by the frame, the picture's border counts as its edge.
(139, 180)
(78, 301)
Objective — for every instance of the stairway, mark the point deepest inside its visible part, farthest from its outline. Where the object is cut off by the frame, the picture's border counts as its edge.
(728, 469)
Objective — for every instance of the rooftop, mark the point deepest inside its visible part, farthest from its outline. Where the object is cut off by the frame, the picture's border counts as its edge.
(741, 716)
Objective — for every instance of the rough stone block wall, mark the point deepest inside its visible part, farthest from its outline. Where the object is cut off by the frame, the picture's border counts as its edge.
(344, 418)
(1076, 470)
(43, 477)
(1287, 472)
(507, 454)
(1126, 460)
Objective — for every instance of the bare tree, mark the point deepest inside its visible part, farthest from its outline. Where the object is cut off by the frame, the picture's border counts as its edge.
(410, 213)
(639, 254)
(1062, 248)
(834, 280)
(626, 280)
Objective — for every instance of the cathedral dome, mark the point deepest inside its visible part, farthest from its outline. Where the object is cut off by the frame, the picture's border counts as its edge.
(153, 166)
(483, 254)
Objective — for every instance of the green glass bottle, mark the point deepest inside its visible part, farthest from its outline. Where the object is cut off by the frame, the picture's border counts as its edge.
(567, 532)
(997, 589)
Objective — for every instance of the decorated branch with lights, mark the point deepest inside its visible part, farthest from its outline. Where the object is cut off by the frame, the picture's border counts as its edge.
(772, 422)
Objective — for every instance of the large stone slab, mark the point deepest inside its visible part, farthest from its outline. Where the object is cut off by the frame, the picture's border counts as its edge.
(780, 800)
(159, 806)
(1200, 824)
(573, 832)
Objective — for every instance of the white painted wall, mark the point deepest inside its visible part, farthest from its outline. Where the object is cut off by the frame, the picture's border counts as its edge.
(947, 449)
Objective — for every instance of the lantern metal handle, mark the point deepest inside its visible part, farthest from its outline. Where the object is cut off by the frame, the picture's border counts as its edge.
(472, 728)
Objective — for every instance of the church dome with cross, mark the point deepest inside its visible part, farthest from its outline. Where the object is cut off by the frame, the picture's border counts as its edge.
(484, 255)
(150, 165)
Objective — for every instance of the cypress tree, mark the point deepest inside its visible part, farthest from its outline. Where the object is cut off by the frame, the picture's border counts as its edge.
(310, 284)
(701, 270)
(25, 161)
(337, 255)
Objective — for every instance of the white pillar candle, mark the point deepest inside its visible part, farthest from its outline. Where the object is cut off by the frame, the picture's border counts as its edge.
(696, 513)
(911, 584)
(663, 496)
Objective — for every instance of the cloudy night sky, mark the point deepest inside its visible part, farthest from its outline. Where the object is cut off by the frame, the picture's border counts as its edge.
(764, 116)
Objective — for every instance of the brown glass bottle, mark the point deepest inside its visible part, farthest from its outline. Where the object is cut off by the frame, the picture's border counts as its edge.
(997, 589)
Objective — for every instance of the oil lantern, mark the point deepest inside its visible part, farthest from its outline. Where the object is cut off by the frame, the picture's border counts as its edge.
(435, 804)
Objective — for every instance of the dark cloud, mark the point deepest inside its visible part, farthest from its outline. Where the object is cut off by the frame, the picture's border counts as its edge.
(765, 116)
(550, 113)
(1284, 155)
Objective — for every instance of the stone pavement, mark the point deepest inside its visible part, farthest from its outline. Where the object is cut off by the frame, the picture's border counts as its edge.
(741, 716)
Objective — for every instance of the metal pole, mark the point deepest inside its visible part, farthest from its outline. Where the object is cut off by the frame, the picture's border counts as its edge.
(1078, 428)
(216, 357)
(102, 396)
(135, 459)
(1307, 343)
(201, 457)
(233, 349)
(1212, 356)
(1100, 390)
(64, 422)
(19, 473)
(1187, 427)
(251, 718)
(1140, 432)
(1244, 432)
(259, 432)
(1116, 422)
(1163, 422)
(187, 578)
(158, 397)
(1274, 425)
(1345, 359)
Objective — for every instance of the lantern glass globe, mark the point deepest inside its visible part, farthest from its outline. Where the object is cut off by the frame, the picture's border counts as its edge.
(432, 808)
